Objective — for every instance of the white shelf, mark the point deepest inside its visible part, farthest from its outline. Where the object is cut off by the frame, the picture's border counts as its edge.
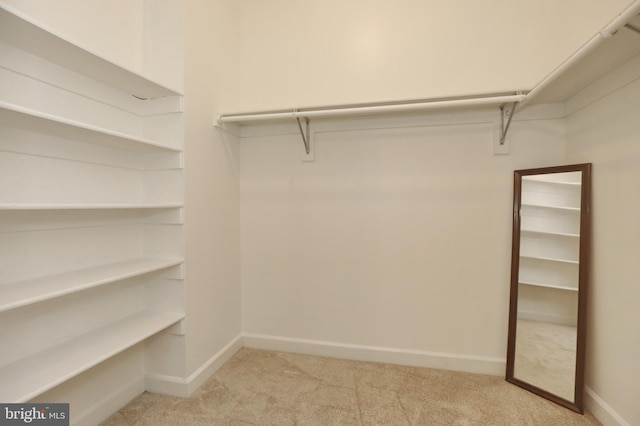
(22, 293)
(556, 234)
(545, 206)
(551, 259)
(34, 375)
(556, 287)
(87, 206)
(541, 179)
(26, 118)
(36, 39)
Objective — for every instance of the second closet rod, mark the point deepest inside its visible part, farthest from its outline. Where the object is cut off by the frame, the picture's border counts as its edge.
(374, 109)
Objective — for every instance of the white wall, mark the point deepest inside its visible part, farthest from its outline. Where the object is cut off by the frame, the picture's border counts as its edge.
(212, 200)
(317, 52)
(605, 131)
(397, 237)
(163, 42)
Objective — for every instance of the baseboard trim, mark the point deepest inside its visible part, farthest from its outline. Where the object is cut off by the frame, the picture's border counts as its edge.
(207, 369)
(108, 404)
(167, 385)
(443, 361)
(601, 410)
(179, 386)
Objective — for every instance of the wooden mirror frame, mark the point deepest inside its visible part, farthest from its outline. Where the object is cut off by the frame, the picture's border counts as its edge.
(583, 277)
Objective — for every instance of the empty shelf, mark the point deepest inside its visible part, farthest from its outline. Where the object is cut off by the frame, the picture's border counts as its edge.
(26, 118)
(545, 206)
(550, 259)
(16, 294)
(34, 375)
(541, 179)
(557, 234)
(87, 206)
(553, 286)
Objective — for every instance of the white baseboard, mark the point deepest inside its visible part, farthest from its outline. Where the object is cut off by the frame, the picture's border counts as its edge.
(166, 385)
(179, 386)
(108, 404)
(601, 410)
(443, 361)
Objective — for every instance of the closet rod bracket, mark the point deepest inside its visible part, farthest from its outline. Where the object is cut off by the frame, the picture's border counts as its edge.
(507, 115)
(632, 28)
(304, 133)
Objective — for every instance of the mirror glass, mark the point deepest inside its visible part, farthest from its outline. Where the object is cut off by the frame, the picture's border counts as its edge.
(548, 282)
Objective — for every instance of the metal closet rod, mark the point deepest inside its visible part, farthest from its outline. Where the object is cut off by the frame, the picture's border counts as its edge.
(334, 111)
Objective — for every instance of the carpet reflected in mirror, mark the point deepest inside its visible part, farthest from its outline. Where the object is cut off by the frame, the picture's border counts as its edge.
(546, 356)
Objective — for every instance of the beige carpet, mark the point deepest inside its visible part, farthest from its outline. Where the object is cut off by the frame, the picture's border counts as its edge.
(273, 388)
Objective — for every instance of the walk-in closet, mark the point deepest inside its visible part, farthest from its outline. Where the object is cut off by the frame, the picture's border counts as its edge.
(184, 178)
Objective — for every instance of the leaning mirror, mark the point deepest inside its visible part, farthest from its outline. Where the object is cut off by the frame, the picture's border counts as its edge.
(549, 272)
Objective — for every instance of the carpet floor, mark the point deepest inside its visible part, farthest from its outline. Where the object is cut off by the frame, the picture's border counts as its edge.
(258, 387)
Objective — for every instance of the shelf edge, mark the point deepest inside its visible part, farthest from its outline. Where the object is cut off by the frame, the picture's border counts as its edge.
(86, 206)
(551, 286)
(93, 283)
(65, 123)
(550, 259)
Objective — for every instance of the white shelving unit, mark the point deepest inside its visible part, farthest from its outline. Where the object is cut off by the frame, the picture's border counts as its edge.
(549, 246)
(91, 209)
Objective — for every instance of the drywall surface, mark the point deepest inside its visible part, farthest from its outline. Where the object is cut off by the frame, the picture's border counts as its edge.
(212, 194)
(605, 133)
(163, 43)
(397, 237)
(325, 52)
